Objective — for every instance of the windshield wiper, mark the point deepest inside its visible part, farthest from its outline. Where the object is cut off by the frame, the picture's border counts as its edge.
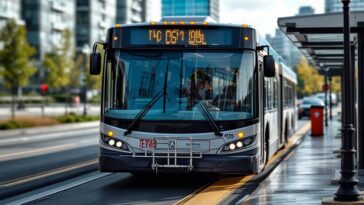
(202, 107)
(143, 112)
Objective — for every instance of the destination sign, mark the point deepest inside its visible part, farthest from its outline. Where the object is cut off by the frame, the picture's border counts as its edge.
(173, 37)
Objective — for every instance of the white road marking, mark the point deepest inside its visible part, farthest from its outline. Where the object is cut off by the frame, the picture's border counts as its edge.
(46, 174)
(43, 150)
(41, 137)
(58, 189)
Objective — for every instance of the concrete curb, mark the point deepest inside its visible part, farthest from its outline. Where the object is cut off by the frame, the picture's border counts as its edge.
(49, 129)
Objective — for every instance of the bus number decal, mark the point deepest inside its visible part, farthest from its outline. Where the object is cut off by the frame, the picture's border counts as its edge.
(147, 143)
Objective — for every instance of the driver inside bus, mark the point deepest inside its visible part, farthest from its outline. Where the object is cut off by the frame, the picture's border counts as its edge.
(200, 88)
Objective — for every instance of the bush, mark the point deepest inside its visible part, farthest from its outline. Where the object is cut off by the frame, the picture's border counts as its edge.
(70, 118)
(62, 97)
(24, 122)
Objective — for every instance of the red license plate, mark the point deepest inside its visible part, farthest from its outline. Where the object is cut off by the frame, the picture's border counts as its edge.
(147, 143)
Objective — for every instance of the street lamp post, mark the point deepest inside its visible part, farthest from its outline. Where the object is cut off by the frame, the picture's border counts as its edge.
(348, 190)
(85, 52)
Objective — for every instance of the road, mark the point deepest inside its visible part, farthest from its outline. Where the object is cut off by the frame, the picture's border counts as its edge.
(53, 161)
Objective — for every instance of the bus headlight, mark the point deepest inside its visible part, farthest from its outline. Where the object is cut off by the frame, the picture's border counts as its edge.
(238, 144)
(115, 143)
(119, 144)
(111, 142)
(232, 146)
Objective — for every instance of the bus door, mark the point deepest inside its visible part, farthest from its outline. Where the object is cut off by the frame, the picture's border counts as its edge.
(280, 109)
(262, 102)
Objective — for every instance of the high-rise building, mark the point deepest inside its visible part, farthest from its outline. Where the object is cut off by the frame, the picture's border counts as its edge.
(283, 46)
(10, 9)
(93, 18)
(306, 10)
(133, 11)
(45, 22)
(337, 6)
(191, 8)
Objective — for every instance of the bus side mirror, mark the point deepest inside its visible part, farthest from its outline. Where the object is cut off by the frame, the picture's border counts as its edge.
(269, 66)
(96, 58)
(95, 63)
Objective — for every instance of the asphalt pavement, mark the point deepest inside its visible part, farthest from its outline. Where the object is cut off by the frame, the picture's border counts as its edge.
(35, 159)
(53, 160)
(113, 188)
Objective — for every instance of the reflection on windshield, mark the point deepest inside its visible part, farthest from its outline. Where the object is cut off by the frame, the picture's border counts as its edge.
(223, 80)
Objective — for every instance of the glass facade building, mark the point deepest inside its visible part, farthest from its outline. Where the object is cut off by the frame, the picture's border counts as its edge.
(191, 8)
(133, 11)
(283, 46)
(93, 18)
(45, 22)
(337, 6)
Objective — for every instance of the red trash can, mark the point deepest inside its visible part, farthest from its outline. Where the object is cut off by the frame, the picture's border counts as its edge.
(317, 120)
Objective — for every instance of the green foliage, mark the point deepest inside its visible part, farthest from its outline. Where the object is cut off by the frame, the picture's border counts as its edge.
(309, 80)
(15, 65)
(62, 97)
(59, 63)
(24, 122)
(336, 84)
(70, 118)
(92, 81)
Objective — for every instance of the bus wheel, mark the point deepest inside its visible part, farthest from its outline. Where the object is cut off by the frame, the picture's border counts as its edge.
(286, 133)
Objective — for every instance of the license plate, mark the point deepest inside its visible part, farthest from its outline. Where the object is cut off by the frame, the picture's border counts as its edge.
(147, 143)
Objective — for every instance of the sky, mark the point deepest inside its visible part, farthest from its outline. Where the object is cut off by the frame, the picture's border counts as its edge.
(261, 14)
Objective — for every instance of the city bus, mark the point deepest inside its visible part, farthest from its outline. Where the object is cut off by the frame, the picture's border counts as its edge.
(186, 94)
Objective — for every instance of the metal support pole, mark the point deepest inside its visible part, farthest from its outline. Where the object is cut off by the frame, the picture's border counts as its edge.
(348, 189)
(84, 86)
(360, 125)
(330, 96)
(326, 101)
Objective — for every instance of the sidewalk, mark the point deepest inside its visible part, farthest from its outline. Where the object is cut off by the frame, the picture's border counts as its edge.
(49, 129)
(304, 177)
(49, 110)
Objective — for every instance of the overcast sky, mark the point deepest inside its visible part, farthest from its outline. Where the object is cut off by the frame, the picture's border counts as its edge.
(262, 14)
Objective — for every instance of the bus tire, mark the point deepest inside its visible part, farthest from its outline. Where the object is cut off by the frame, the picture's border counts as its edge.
(286, 132)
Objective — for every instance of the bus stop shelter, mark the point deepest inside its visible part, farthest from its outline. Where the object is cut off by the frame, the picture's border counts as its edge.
(320, 40)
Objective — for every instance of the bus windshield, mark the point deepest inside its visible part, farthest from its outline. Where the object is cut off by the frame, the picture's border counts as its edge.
(226, 82)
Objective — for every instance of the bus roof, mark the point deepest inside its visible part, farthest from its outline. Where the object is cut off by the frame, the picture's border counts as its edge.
(186, 20)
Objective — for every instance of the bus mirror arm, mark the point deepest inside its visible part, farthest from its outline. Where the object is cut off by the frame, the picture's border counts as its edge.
(262, 48)
(268, 63)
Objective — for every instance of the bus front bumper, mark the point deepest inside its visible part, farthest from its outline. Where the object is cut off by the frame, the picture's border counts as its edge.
(243, 162)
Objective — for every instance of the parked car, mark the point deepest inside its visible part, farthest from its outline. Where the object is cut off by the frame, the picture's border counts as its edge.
(305, 106)
(334, 100)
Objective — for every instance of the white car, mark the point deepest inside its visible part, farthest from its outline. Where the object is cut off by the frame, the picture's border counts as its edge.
(334, 100)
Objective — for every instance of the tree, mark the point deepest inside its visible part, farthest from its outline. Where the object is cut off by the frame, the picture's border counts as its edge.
(336, 84)
(59, 63)
(309, 80)
(82, 63)
(15, 64)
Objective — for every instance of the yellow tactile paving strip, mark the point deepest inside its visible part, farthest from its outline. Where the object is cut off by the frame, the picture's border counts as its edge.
(223, 188)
